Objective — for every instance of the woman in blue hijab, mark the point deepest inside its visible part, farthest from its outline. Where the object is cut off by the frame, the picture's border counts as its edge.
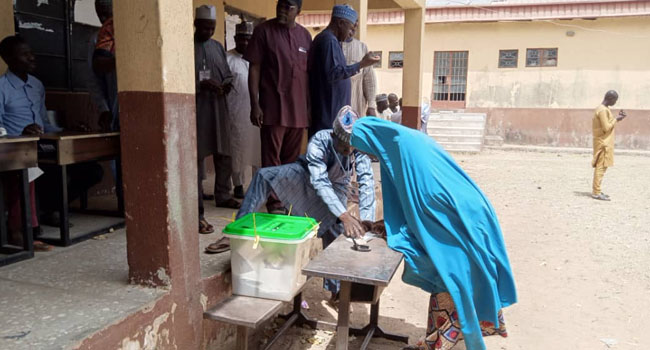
(447, 230)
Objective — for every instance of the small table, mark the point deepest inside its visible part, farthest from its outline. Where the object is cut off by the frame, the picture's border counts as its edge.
(376, 268)
(17, 153)
(62, 149)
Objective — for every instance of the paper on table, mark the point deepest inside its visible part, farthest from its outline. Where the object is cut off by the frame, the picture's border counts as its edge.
(369, 236)
(34, 173)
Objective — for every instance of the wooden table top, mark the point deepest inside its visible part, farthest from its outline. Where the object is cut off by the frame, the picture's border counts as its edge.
(74, 135)
(244, 311)
(339, 261)
(14, 139)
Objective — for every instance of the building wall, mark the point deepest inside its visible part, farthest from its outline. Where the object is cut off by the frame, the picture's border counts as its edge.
(524, 103)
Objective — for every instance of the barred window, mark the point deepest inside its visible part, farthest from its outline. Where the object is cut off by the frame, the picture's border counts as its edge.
(541, 57)
(508, 58)
(395, 59)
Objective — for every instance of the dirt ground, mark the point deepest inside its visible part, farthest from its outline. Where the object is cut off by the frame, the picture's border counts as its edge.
(582, 266)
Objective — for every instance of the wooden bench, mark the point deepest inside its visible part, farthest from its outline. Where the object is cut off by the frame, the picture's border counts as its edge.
(244, 312)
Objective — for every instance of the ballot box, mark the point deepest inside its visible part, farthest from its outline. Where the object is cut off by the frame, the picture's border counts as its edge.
(268, 252)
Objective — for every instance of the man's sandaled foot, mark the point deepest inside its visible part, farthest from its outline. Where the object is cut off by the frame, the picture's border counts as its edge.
(220, 246)
(278, 211)
(204, 227)
(229, 203)
(208, 197)
(600, 197)
(42, 247)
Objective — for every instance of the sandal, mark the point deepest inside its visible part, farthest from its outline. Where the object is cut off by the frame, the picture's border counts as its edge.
(205, 227)
(229, 203)
(42, 247)
(601, 197)
(208, 197)
(220, 246)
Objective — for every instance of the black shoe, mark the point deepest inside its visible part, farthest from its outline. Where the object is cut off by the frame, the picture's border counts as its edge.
(239, 192)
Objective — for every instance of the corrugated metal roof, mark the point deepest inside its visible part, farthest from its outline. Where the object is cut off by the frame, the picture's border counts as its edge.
(551, 9)
(460, 3)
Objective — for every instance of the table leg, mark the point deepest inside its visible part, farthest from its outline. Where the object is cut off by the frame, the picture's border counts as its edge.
(343, 326)
(26, 216)
(3, 218)
(242, 338)
(298, 318)
(63, 207)
(373, 329)
(83, 200)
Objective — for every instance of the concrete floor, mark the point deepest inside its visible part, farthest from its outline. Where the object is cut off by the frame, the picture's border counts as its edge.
(58, 298)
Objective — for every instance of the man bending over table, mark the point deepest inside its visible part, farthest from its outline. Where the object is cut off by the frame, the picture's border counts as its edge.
(317, 185)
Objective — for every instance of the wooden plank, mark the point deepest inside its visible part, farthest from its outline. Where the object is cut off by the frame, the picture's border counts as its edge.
(339, 261)
(77, 150)
(18, 155)
(244, 311)
(343, 324)
(242, 338)
(73, 135)
(17, 139)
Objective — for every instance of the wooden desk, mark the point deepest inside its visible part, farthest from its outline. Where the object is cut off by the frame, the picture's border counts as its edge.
(17, 154)
(376, 268)
(76, 147)
(67, 148)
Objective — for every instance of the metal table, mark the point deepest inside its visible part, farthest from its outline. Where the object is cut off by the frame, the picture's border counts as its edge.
(63, 149)
(17, 154)
(375, 268)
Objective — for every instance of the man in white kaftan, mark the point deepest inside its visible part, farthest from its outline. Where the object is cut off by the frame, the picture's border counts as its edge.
(244, 137)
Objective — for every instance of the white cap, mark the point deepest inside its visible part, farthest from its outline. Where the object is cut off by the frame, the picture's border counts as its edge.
(206, 12)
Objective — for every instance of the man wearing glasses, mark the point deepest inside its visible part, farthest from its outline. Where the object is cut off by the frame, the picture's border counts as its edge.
(278, 86)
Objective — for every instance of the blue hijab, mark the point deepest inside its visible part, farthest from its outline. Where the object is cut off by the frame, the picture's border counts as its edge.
(441, 221)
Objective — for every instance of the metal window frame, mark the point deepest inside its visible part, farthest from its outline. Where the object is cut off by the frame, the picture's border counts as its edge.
(542, 56)
(516, 58)
(449, 103)
(390, 65)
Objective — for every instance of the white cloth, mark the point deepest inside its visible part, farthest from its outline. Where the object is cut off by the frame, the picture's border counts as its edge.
(244, 136)
(386, 114)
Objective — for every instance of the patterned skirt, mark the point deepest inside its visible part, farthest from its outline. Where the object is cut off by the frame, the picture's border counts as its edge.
(443, 327)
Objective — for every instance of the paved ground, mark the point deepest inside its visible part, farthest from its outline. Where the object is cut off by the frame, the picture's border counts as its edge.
(582, 266)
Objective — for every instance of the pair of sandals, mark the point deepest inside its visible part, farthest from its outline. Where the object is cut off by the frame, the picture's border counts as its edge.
(601, 197)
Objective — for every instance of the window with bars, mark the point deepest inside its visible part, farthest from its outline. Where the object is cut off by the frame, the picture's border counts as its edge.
(377, 53)
(395, 59)
(541, 57)
(450, 78)
(508, 58)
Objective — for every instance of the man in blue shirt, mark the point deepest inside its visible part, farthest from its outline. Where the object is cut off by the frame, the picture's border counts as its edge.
(22, 96)
(329, 74)
(23, 112)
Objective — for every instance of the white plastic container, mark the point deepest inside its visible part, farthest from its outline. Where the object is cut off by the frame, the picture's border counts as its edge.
(273, 270)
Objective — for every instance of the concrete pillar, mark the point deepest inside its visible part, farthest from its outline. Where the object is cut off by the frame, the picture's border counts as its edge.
(156, 91)
(220, 30)
(412, 71)
(155, 71)
(361, 6)
(6, 24)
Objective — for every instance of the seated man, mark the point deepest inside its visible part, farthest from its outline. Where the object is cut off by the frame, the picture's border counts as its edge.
(317, 185)
(23, 112)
